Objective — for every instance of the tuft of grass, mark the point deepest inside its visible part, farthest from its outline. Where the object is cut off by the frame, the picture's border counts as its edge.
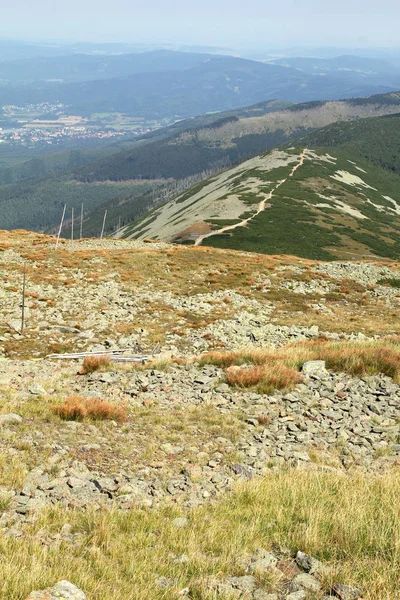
(76, 408)
(95, 363)
(243, 376)
(266, 378)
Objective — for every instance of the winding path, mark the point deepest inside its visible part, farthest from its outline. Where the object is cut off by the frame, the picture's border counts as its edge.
(260, 208)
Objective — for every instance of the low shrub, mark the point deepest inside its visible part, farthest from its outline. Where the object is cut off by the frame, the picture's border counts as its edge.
(391, 281)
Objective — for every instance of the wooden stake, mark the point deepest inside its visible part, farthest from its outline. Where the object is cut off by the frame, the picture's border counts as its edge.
(23, 301)
(104, 222)
(72, 225)
(61, 224)
(80, 233)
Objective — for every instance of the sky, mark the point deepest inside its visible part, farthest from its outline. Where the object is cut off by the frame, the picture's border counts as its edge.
(227, 23)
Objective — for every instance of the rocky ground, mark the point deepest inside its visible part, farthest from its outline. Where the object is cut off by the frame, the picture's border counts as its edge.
(298, 579)
(189, 436)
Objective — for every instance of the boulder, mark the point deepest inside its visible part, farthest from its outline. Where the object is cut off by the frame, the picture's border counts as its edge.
(10, 419)
(63, 590)
(315, 369)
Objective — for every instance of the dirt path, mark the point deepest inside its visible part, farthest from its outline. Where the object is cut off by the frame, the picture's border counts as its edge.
(260, 208)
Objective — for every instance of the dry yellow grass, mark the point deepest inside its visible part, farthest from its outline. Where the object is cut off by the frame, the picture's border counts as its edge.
(78, 409)
(349, 522)
(266, 378)
(95, 363)
(279, 369)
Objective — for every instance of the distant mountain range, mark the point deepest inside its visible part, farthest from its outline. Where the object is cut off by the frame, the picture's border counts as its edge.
(166, 84)
(334, 195)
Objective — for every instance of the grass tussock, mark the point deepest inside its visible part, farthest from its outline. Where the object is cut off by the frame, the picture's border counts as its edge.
(76, 408)
(267, 370)
(318, 513)
(95, 363)
(265, 377)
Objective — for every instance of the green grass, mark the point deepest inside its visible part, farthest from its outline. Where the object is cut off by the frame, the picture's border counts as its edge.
(391, 281)
(120, 555)
(286, 227)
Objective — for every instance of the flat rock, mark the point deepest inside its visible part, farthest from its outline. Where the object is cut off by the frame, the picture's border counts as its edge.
(246, 583)
(180, 522)
(310, 564)
(300, 595)
(37, 390)
(346, 592)
(63, 590)
(315, 369)
(10, 419)
(306, 582)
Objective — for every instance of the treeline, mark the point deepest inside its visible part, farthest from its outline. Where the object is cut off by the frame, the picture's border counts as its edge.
(127, 208)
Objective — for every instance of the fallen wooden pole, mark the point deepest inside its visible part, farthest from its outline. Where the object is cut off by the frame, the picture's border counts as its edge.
(112, 357)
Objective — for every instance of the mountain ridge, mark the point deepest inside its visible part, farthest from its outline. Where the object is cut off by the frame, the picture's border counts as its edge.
(338, 203)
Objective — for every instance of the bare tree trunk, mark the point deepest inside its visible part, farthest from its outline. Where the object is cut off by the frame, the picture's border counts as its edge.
(80, 232)
(104, 222)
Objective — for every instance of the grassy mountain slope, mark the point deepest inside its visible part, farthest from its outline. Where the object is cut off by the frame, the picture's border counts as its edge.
(317, 203)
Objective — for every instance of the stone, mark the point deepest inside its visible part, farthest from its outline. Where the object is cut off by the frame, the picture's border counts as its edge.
(315, 369)
(63, 590)
(180, 522)
(165, 582)
(310, 564)
(14, 324)
(263, 595)
(10, 419)
(306, 582)
(246, 583)
(225, 590)
(37, 390)
(346, 592)
(299, 595)
(264, 563)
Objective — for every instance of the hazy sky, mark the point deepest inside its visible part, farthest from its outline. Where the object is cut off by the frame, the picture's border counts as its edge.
(235, 23)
